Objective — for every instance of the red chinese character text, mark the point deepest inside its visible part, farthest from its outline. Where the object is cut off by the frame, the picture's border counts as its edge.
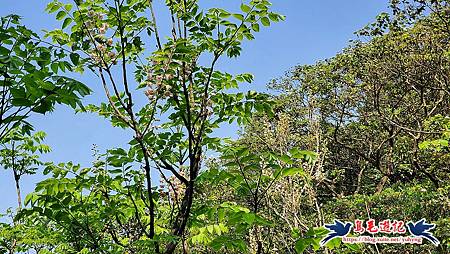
(371, 228)
(385, 226)
(398, 227)
(359, 228)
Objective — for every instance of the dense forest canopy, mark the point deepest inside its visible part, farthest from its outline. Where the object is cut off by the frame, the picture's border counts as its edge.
(363, 135)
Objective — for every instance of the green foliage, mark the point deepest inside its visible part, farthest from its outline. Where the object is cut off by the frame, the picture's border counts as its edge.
(31, 233)
(441, 145)
(250, 179)
(92, 206)
(364, 134)
(376, 120)
(30, 76)
(110, 38)
(311, 240)
(407, 202)
(19, 151)
(249, 173)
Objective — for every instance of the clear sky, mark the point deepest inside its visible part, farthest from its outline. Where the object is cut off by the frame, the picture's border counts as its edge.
(313, 30)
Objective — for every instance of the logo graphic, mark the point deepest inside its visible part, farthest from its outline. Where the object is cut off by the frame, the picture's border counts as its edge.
(338, 229)
(421, 229)
(418, 231)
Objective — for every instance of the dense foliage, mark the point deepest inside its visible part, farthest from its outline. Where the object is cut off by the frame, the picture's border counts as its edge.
(30, 80)
(362, 135)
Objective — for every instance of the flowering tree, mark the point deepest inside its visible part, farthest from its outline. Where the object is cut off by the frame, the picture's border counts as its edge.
(172, 128)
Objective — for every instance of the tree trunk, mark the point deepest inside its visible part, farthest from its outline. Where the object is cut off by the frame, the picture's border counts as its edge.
(182, 217)
(19, 198)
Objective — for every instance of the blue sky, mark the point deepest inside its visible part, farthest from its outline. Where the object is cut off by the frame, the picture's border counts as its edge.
(313, 30)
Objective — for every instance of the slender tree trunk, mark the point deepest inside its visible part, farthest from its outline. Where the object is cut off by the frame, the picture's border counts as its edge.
(182, 217)
(19, 198)
(16, 177)
(13, 247)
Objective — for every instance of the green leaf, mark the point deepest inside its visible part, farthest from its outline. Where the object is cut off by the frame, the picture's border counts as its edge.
(335, 243)
(43, 107)
(61, 15)
(249, 218)
(54, 67)
(291, 171)
(274, 17)
(286, 159)
(21, 102)
(66, 22)
(301, 245)
(29, 198)
(210, 229)
(75, 58)
(255, 27)
(265, 21)
(239, 16)
(68, 7)
(315, 242)
(245, 8)
(52, 7)
(49, 86)
(18, 93)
